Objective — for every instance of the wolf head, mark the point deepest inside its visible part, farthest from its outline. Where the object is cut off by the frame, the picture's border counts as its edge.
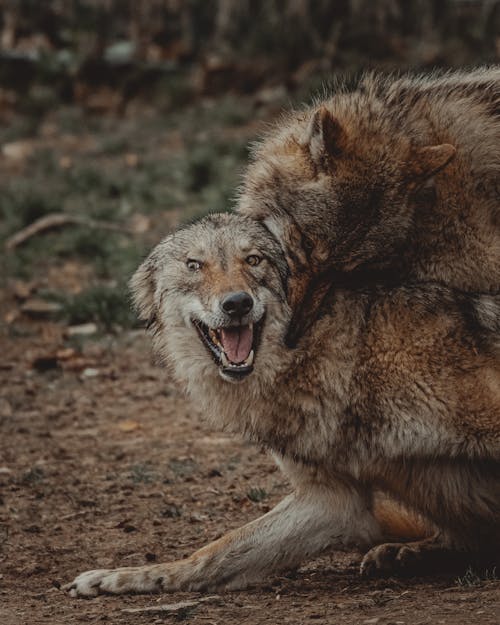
(336, 186)
(214, 296)
(335, 183)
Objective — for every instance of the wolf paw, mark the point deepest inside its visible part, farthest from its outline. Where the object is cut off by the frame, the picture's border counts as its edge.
(390, 558)
(112, 581)
(90, 583)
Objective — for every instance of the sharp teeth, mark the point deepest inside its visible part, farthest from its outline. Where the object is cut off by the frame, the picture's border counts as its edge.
(246, 363)
(214, 336)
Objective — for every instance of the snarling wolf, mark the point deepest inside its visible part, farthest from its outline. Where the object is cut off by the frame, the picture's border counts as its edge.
(398, 179)
(394, 392)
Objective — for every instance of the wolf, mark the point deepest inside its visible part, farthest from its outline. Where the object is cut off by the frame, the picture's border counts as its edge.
(394, 394)
(397, 180)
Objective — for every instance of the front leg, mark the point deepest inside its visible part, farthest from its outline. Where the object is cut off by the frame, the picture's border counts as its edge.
(299, 527)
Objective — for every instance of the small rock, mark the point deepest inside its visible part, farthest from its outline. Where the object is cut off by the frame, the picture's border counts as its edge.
(120, 51)
(90, 372)
(171, 511)
(18, 150)
(83, 329)
(196, 517)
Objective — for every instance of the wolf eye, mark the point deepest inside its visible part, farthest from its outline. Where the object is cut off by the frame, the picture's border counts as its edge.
(193, 265)
(253, 260)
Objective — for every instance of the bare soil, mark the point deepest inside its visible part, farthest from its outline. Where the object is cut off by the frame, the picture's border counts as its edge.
(104, 463)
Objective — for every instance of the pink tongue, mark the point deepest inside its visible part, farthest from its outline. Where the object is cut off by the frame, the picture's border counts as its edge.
(237, 343)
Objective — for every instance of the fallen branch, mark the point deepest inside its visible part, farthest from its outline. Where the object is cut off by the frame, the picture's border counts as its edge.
(56, 220)
(173, 608)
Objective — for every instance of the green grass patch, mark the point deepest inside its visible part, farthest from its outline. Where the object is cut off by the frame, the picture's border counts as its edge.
(107, 306)
(257, 494)
(188, 161)
(473, 577)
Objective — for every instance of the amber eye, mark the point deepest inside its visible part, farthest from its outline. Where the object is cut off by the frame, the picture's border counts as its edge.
(253, 260)
(193, 265)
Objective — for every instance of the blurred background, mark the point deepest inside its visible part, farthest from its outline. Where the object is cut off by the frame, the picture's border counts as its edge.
(120, 119)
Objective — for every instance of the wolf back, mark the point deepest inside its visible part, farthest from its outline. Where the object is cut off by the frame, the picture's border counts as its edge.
(397, 180)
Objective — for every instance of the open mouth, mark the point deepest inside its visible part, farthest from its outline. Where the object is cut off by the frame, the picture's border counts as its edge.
(232, 348)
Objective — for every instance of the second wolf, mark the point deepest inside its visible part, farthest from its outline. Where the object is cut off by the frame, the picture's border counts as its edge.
(397, 180)
(394, 390)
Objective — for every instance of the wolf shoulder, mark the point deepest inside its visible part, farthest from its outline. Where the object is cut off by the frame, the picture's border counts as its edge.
(433, 354)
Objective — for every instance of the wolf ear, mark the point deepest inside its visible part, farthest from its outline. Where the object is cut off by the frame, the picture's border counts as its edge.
(142, 286)
(425, 162)
(324, 136)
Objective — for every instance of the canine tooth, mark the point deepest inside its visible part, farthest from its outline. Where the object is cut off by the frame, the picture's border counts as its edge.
(214, 337)
(249, 360)
(224, 359)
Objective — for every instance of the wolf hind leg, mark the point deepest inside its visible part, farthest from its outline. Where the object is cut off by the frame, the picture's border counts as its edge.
(431, 554)
(300, 527)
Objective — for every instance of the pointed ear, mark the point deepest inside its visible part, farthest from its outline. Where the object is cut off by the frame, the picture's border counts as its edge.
(142, 286)
(324, 136)
(425, 162)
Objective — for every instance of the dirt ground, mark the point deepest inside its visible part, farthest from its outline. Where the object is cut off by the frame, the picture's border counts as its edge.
(103, 462)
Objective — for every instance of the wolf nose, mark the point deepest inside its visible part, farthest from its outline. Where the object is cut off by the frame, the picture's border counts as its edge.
(237, 304)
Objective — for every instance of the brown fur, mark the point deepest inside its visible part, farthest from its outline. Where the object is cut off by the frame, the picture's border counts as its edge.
(392, 396)
(396, 181)
(398, 523)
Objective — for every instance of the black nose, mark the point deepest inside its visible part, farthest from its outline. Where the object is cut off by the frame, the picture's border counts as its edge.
(237, 304)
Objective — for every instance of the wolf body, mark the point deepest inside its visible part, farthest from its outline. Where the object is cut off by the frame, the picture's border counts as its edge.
(397, 180)
(393, 391)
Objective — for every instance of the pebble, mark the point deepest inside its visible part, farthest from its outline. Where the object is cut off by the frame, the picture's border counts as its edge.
(90, 372)
(84, 329)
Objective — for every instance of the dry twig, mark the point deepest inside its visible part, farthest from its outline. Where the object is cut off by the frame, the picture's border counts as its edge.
(179, 607)
(56, 220)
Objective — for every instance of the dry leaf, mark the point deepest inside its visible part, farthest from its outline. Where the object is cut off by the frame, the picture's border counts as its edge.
(128, 425)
